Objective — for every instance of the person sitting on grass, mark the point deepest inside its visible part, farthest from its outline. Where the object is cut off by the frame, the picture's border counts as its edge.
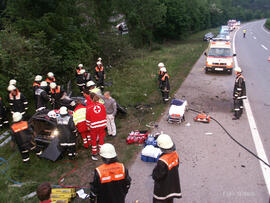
(44, 191)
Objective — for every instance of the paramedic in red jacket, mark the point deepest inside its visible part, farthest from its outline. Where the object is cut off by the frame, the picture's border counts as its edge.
(79, 118)
(96, 122)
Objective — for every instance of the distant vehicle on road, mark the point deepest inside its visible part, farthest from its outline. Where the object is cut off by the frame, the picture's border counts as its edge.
(224, 28)
(232, 24)
(208, 36)
(219, 57)
(222, 37)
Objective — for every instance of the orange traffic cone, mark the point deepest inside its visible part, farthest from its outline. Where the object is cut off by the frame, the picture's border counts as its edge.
(269, 58)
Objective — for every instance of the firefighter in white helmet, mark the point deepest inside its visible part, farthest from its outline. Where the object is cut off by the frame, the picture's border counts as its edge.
(50, 78)
(67, 132)
(239, 93)
(22, 134)
(111, 180)
(164, 84)
(100, 60)
(160, 65)
(17, 100)
(57, 94)
(42, 97)
(80, 77)
(100, 75)
(165, 174)
(91, 86)
(36, 84)
(13, 82)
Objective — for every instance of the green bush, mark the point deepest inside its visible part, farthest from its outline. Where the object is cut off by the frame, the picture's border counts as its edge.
(267, 24)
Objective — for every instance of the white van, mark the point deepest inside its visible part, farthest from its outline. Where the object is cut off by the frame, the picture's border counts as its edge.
(219, 57)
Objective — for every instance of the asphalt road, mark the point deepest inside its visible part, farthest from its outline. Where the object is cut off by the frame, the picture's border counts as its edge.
(253, 53)
(213, 169)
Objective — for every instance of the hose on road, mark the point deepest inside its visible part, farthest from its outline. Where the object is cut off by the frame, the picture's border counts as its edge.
(236, 141)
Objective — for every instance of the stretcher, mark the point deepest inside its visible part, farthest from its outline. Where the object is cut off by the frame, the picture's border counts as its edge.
(177, 111)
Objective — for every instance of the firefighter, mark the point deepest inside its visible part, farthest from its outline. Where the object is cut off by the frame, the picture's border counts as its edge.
(50, 78)
(79, 76)
(3, 114)
(79, 117)
(57, 94)
(42, 97)
(100, 60)
(13, 82)
(165, 174)
(91, 86)
(239, 93)
(160, 65)
(86, 78)
(111, 180)
(67, 132)
(96, 122)
(37, 82)
(100, 75)
(22, 134)
(164, 84)
(17, 101)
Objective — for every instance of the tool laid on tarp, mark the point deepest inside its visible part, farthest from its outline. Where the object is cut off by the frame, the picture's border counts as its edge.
(202, 117)
(137, 137)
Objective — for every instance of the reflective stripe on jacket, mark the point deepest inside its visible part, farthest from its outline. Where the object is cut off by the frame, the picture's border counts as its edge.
(171, 159)
(17, 127)
(79, 115)
(111, 172)
(56, 90)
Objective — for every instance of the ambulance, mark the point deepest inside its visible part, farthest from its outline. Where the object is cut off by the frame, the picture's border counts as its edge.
(219, 57)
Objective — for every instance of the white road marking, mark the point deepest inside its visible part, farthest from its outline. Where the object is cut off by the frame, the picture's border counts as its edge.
(254, 37)
(255, 133)
(263, 28)
(264, 47)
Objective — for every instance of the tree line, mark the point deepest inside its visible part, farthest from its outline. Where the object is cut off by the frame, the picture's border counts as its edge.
(38, 36)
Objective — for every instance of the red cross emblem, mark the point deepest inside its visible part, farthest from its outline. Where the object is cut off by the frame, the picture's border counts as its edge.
(97, 109)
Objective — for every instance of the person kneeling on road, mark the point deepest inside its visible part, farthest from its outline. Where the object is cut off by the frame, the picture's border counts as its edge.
(79, 117)
(239, 93)
(22, 134)
(67, 132)
(96, 122)
(111, 180)
(111, 110)
(164, 84)
(165, 174)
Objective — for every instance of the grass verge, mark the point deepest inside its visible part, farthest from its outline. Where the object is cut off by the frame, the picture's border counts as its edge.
(267, 24)
(134, 82)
